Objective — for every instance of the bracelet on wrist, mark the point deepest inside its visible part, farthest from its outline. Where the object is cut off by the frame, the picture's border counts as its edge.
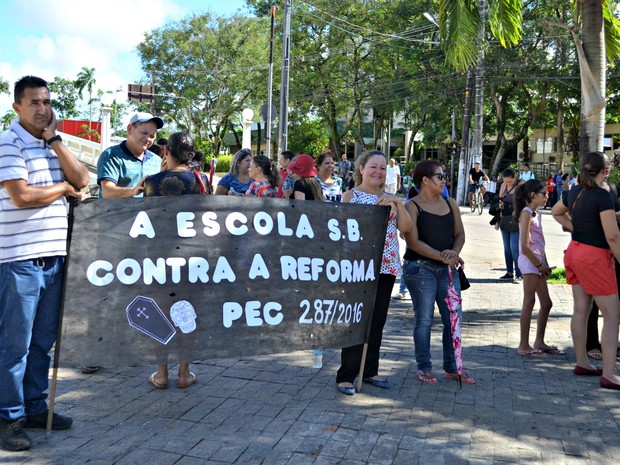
(51, 140)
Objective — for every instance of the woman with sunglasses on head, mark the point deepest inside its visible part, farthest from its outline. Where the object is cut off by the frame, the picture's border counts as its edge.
(238, 180)
(369, 175)
(433, 246)
(589, 214)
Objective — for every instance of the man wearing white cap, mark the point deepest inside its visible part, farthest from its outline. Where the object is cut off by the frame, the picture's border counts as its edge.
(121, 169)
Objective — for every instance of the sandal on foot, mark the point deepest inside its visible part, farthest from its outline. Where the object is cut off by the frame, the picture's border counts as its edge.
(190, 381)
(466, 378)
(595, 354)
(157, 384)
(535, 353)
(426, 378)
(553, 350)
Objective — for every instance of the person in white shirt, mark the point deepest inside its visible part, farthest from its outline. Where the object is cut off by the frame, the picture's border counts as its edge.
(37, 174)
(526, 174)
(392, 177)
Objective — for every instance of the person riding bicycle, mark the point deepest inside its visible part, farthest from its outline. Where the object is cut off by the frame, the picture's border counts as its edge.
(475, 174)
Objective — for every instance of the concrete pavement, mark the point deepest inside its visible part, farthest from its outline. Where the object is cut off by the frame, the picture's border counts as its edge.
(279, 410)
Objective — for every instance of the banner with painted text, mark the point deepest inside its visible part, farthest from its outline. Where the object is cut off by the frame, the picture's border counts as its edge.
(182, 278)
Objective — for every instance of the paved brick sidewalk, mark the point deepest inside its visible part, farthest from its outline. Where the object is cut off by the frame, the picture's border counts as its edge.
(279, 410)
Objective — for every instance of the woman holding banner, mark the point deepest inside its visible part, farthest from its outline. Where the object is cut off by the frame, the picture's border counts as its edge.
(369, 176)
(177, 179)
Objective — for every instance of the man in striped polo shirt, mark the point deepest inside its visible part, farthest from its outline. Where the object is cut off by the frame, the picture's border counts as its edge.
(34, 181)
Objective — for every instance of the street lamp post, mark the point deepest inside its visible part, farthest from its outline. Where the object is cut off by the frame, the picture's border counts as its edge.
(247, 122)
(106, 110)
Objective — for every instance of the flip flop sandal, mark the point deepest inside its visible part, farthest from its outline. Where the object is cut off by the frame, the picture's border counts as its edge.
(157, 384)
(192, 380)
(553, 350)
(466, 378)
(426, 378)
(535, 353)
(596, 355)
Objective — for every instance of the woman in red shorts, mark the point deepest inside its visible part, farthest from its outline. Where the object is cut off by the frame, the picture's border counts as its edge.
(589, 214)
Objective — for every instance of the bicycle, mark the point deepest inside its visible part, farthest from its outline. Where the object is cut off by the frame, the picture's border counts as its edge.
(477, 199)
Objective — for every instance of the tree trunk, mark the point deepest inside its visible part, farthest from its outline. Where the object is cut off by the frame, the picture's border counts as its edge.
(476, 146)
(411, 146)
(560, 135)
(592, 65)
(463, 174)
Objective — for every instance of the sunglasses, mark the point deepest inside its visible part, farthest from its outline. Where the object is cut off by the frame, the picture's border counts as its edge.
(439, 176)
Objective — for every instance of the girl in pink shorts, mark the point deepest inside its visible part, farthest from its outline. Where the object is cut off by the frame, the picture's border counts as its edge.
(529, 197)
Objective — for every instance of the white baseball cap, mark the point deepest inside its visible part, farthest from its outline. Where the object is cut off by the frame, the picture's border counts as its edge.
(145, 117)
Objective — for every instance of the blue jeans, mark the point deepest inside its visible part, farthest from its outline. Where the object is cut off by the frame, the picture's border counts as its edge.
(30, 293)
(511, 251)
(428, 285)
(403, 285)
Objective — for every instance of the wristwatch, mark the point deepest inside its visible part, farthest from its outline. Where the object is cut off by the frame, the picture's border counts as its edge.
(51, 140)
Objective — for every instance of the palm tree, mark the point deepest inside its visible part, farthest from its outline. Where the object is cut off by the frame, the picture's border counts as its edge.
(600, 41)
(460, 23)
(86, 80)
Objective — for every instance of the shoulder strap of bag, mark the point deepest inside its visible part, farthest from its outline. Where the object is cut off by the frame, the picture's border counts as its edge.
(201, 185)
(572, 207)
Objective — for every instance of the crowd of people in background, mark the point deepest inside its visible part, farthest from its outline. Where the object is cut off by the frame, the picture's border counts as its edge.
(37, 173)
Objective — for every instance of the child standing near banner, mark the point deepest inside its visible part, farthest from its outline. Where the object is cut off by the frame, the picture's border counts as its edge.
(529, 197)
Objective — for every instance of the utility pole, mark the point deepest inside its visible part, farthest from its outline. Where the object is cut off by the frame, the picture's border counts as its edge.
(286, 58)
(270, 87)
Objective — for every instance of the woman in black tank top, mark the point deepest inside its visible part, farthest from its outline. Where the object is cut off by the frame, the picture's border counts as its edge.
(433, 245)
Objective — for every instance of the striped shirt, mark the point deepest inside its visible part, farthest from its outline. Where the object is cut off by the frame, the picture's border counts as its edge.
(30, 232)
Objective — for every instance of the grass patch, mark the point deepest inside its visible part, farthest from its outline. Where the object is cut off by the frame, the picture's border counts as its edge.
(558, 276)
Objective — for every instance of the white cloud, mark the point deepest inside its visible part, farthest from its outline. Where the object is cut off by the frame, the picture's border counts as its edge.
(59, 39)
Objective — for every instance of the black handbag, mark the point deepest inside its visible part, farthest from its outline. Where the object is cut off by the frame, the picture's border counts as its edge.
(506, 223)
(463, 279)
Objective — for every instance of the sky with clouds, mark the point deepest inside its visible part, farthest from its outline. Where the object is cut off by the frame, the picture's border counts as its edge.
(58, 37)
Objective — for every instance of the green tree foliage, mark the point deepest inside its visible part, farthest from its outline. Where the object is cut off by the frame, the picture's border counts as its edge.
(86, 80)
(357, 64)
(529, 84)
(4, 86)
(307, 135)
(64, 97)
(211, 67)
(6, 119)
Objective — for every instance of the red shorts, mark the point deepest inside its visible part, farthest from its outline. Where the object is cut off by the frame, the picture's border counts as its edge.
(592, 267)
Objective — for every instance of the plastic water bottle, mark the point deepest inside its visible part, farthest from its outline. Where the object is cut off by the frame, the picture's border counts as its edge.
(318, 358)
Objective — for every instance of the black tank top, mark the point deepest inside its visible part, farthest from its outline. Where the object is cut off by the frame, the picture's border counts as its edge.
(435, 230)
